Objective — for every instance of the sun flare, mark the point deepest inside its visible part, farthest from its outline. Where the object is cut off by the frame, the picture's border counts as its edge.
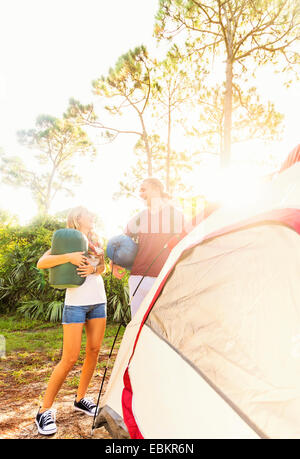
(233, 187)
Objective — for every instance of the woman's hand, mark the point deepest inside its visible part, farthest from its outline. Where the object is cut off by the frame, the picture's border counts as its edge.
(85, 269)
(77, 258)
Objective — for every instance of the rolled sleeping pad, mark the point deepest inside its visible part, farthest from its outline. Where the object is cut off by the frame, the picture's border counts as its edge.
(122, 250)
(67, 240)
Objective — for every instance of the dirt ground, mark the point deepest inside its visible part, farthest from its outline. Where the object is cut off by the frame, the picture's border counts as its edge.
(20, 398)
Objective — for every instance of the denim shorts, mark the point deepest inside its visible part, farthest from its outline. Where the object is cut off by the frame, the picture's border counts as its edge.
(80, 314)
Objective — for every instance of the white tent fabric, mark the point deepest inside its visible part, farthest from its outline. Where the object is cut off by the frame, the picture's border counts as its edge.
(219, 353)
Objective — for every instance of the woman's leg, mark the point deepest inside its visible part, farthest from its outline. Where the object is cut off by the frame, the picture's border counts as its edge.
(95, 329)
(71, 349)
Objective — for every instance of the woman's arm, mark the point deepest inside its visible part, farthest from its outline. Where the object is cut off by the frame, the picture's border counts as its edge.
(49, 261)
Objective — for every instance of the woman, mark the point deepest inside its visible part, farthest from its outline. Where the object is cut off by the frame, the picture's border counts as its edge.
(152, 228)
(84, 306)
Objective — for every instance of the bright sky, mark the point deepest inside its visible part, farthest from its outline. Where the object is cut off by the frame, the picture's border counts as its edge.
(51, 51)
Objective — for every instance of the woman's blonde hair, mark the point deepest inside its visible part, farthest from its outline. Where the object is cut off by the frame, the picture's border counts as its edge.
(74, 216)
(73, 223)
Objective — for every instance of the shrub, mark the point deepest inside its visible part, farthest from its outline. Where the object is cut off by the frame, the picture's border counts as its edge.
(117, 292)
(21, 283)
(25, 289)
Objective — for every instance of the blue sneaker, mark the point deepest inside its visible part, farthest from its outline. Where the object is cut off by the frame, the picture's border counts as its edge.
(46, 422)
(85, 406)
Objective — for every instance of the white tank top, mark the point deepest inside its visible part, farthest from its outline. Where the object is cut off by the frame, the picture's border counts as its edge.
(91, 292)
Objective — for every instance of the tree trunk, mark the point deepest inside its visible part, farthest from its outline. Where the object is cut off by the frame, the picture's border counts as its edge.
(49, 190)
(147, 146)
(226, 150)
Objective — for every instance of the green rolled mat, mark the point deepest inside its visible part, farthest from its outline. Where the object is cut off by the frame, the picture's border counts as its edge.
(67, 240)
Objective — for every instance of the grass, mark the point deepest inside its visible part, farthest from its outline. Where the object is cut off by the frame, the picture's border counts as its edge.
(21, 341)
(33, 349)
(14, 323)
(24, 337)
(73, 382)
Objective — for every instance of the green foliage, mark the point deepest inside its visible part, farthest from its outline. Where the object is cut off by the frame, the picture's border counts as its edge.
(118, 304)
(57, 142)
(252, 117)
(7, 218)
(32, 309)
(126, 89)
(25, 290)
(129, 78)
(117, 291)
(245, 34)
(23, 287)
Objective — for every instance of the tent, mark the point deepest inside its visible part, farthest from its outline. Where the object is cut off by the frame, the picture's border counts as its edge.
(292, 158)
(214, 350)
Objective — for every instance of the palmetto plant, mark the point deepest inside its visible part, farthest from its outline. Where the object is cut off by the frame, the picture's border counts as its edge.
(32, 309)
(54, 311)
(36, 309)
(23, 287)
(118, 303)
(117, 291)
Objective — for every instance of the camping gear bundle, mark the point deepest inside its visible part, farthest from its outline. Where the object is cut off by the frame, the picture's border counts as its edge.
(67, 240)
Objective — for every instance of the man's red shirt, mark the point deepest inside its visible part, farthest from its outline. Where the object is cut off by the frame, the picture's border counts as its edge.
(152, 231)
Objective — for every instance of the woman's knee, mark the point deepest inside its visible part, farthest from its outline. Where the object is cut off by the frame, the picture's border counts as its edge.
(92, 351)
(69, 361)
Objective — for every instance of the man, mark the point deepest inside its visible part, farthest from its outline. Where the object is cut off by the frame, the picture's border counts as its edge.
(152, 229)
